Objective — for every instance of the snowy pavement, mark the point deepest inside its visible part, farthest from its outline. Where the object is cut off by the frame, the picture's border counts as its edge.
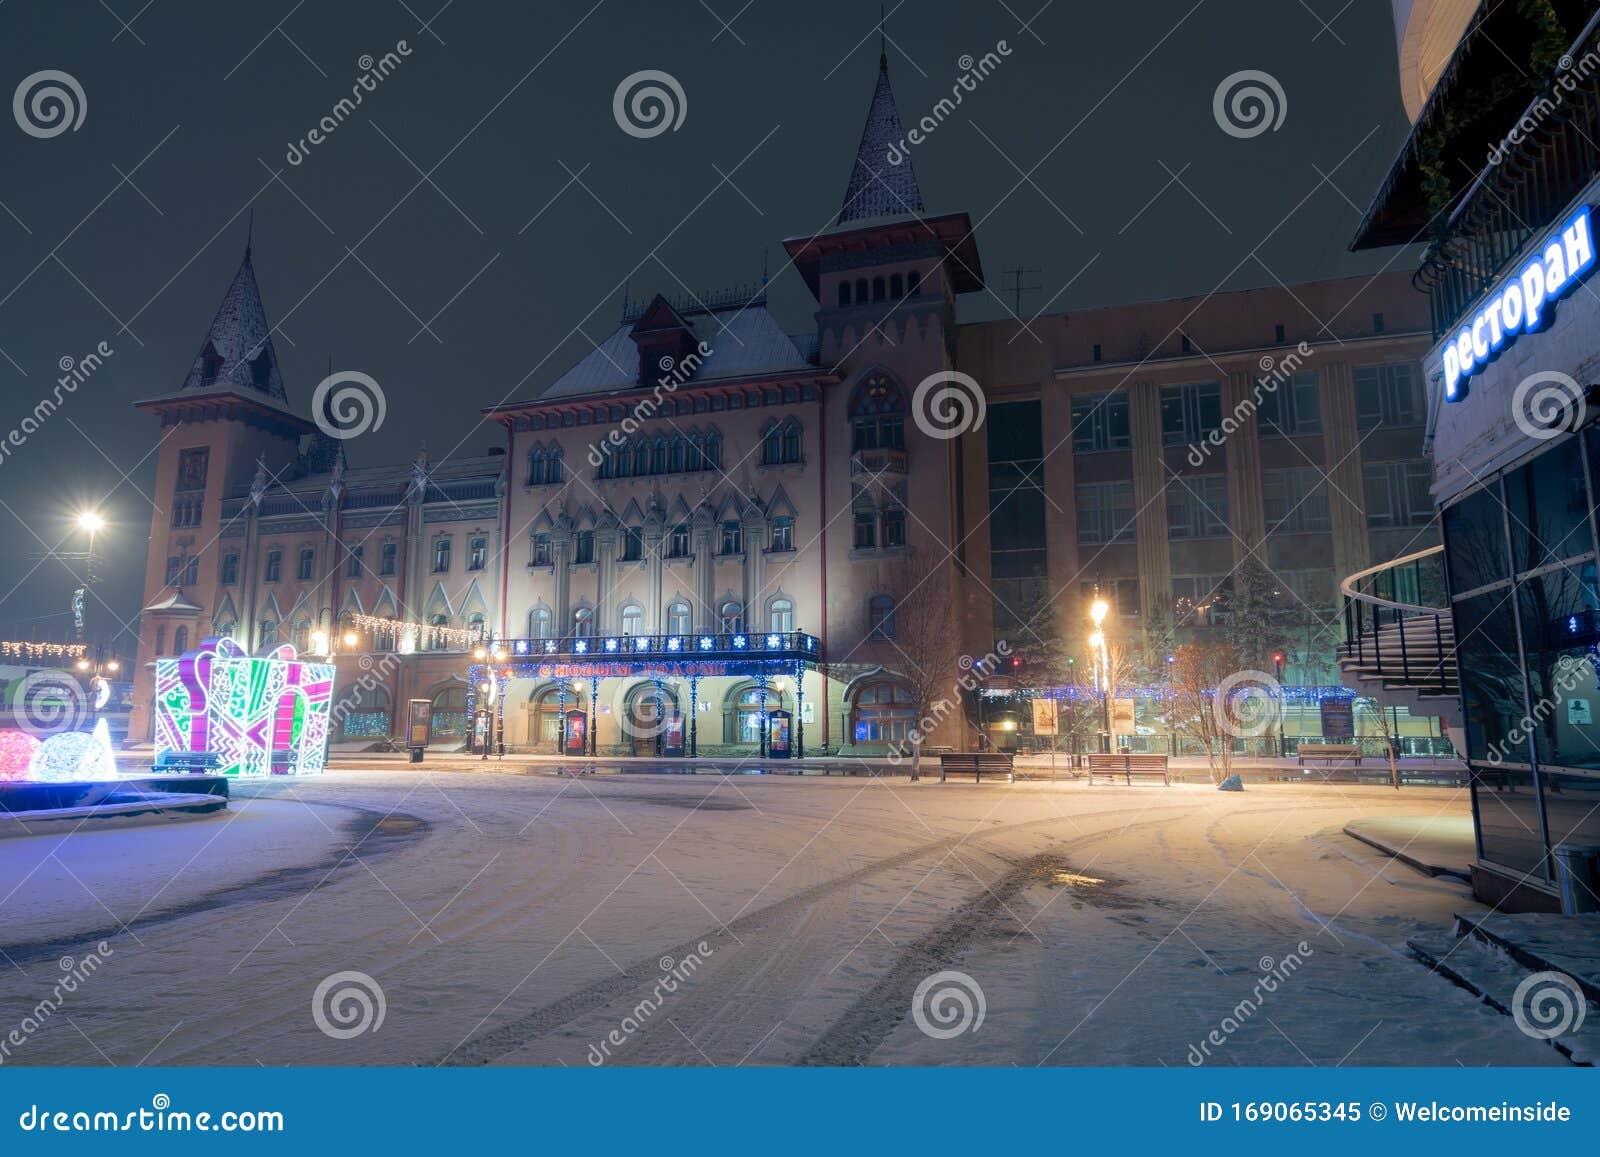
(513, 917)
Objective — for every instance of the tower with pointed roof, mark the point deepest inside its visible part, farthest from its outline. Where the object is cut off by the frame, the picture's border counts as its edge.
(228, 420)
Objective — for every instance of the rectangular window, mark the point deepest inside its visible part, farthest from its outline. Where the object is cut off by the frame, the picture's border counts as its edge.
(274, 568)
(1197, 600)
(1100, 422)
(192, 466)
(353, 565)
(391, 553)
(1197, 506)
(1105, 511)
(894, 528)
(732, 538)
(441, 556)
(866, 536)
(230, 570)
(782, 536)
(632, 544)
(1396, 493)
(308, 566)
(1189, 413)
(477, 553)
(679, 547)
(583, 548)
(1295, 501)
(1292, 409)
(1388, 395)
(1125, 596)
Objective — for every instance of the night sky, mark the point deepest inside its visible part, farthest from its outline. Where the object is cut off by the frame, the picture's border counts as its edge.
(537, 209)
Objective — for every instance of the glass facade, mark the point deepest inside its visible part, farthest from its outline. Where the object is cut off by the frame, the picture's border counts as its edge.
(1521, 556)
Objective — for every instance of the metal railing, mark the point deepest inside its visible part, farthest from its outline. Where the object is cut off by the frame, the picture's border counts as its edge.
(1397, 623)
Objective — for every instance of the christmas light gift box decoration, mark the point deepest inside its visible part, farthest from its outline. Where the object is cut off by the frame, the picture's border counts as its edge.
(257, 716)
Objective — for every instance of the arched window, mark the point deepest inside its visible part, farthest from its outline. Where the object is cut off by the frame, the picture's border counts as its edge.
(772, 446)
(633, 620)
(449, 711)
(552, 469)
(882, 713)
(791, 441)
(731, 618)
(536, 466)
(302, 636)
(539, 623)
(748, 710)
(913, 283)
(225, 629)
(677, 455)
(861, 291)
(678, 619)
(180, 641)
(877, 415)
(880, 617)
(624, 461)
(714, 451)
(780, 616)
(365, 713)
(897, 286)
(844, 293)
(696, 453)
(658, 456)
(161, 640)
(475, 623)
(582, 622)
(269, 634)
(641, 458)
(879, 290)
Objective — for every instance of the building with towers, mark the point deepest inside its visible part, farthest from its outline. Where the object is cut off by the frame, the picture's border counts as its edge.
(710, 525)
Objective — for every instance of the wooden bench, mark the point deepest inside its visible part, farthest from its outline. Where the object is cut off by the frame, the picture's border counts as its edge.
(1127, 765)
(1328, 751)
(975, 764)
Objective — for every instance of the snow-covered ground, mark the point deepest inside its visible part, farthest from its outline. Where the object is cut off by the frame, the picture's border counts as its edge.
(513, 917)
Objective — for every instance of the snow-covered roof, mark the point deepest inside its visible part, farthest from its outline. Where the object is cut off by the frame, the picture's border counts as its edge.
(744, 342)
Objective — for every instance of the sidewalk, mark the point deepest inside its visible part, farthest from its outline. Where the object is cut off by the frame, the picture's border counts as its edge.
(1434, 845)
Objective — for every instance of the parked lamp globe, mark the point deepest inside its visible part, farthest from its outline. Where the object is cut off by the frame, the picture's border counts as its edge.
(1098, 611)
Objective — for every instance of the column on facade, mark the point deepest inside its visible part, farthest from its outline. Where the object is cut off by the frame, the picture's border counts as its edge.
(606, 620)
(1246, 515)
(1341, 442)
(705, 570)
(561, 576)
(755, 569)
(1149, 499)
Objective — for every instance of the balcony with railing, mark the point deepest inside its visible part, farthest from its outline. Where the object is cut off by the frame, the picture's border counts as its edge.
(652, 650)
(879, 462)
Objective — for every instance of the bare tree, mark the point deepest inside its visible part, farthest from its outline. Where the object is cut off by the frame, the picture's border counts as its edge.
(924, 632)
(1197, 671)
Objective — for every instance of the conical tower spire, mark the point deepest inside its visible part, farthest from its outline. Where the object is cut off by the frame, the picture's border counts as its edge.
(882, 183)
(237, 352)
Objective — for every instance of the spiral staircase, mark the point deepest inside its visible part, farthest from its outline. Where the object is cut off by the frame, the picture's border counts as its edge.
(1400, 641)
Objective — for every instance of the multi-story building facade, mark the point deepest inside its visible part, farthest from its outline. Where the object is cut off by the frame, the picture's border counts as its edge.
(706, 481)
(1498, 178)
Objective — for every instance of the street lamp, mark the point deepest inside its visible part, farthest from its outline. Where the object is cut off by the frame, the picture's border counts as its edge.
(1098, 610)
(91, 522)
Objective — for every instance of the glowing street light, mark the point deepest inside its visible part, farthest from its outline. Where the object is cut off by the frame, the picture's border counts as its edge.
(91, 521)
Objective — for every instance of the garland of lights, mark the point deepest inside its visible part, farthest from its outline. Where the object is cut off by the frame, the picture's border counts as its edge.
(1287, 693)
(12, 650)
(461, 637)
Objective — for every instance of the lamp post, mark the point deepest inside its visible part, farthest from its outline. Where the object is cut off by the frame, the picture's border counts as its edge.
(91, 522)
(1097, 615)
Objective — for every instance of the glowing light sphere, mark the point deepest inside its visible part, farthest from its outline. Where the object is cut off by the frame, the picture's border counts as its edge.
(16, 754)
(71, 757)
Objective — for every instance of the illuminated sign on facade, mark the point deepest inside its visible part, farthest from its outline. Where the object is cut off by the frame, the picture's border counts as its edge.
(1519, 304)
